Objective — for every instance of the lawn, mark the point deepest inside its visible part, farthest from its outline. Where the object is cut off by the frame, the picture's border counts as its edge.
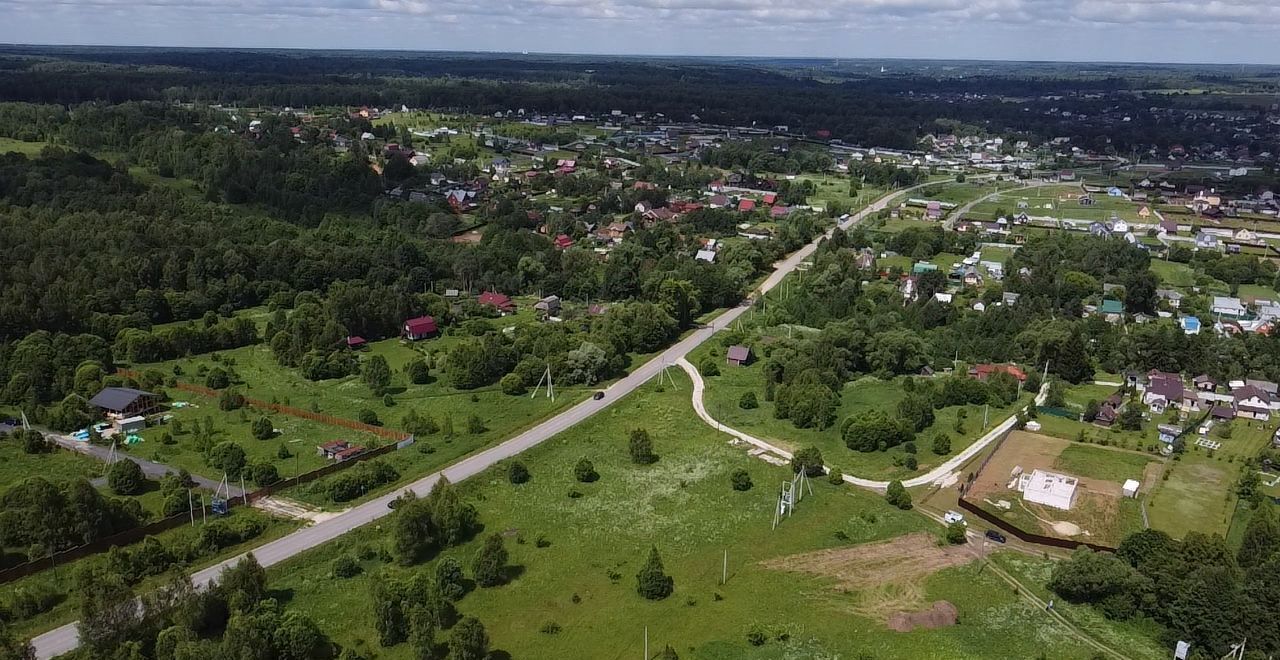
(1174, 274)
(724, 391)
(1196, 496)
(582, 579)
(1099, 463)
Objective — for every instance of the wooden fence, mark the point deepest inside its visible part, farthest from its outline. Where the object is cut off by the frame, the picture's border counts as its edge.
(380, 431)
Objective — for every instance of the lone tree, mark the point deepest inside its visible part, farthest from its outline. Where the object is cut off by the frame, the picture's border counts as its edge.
(585, 471)
(263, 429)
(469, 641)
(126, 478)
(748, 402)
(490, 563)
(808, 459)
(741, 480)
(897, 495)
(652, 582)
(641, 447)
(517, 473)
(376, 374)
(941, 444)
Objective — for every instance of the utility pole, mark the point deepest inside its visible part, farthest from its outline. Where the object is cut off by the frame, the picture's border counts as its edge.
(724, 570)
(191, 508)
(646, 643)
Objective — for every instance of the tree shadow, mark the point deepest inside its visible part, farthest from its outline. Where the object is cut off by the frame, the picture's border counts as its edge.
(511, 573)
(499, 654)
(281, 596)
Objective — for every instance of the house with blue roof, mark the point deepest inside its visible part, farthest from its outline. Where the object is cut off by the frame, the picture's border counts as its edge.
(1190, 325)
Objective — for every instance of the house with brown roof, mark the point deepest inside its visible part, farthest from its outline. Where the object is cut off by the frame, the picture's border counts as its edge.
(418, 328)
(1252, 402)
(499, 301)
(738, 356)
(1163, 390)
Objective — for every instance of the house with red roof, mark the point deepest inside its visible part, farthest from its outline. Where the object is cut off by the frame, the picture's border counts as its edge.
(500, 301)
(985, 371)
(779, 211)
(746, 205)
(770, 198)
(563, 242)
(356, 343)
(418, 328)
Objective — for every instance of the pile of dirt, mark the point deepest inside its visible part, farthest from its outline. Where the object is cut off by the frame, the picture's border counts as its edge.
(877, 580)
(941, 614)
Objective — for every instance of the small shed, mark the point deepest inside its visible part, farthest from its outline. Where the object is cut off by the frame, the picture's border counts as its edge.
(135, 424)
(356, 343)
(330, 449)
(1130, 487)
(738, 356)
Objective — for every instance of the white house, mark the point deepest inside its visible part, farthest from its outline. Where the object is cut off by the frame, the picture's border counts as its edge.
(1227, 306)
(1130, 487)
(1049, 488)
(1252, 402)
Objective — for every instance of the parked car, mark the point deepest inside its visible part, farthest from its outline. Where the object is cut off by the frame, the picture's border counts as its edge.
(996, 536)
(953, 517)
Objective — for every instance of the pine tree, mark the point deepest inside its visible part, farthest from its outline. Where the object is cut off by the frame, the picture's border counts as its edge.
(652, 582)
(469, 641)
(641, 447)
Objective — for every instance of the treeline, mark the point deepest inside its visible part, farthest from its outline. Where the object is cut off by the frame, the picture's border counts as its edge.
(40, 518)
(1197, 589)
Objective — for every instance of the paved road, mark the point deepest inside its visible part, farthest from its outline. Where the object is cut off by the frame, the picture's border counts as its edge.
(66, 638)
(938, 474)
(152, 469)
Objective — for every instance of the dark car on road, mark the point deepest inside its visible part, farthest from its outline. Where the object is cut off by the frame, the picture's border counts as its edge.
(996, 536)
(597, 396)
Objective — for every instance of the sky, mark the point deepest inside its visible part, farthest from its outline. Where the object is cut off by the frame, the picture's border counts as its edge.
(1213, 31)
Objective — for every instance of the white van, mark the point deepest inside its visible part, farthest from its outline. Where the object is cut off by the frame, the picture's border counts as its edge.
(951, 517)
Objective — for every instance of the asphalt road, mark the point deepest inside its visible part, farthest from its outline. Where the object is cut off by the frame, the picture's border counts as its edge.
(66, 638)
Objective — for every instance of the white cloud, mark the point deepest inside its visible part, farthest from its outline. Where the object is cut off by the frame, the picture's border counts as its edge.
(1053, 29)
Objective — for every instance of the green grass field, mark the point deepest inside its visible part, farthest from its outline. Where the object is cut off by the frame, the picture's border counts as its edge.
(61, 465)
(8, 145)
(1174, 274)
(1196, 497)
(724, 391)
(1099, 463)
(584, 580)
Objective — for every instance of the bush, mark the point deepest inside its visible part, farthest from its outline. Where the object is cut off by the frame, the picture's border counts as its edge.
(230, 400)
(367, 416)
(263, 474)
(911, 463)
(346, 566)
(808, 459)
(263, 429)
(955, 534)
(897, 495)
(517, 473)
(640, 446)
(585, 471)
(941, 444)
(126, 478)
(710, 366)
(419, 372)
(388, 401)
(226, 457)
(741, 480)
(748, 401)
(835, 477)
(217, 379)
(358, 480)
(475, 425)
(512, 384)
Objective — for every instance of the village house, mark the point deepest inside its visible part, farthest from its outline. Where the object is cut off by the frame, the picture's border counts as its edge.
(499, 301)
(1252, 402)
(356, 343)
(548, 306)
(1163, 390)
(125, 402)
(1229, 307)
(984, 371)
(418, 328)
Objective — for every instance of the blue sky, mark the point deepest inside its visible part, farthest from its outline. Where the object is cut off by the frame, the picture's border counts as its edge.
(1080, 30)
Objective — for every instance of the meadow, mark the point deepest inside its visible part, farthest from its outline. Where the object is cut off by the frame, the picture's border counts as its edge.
(575, 559)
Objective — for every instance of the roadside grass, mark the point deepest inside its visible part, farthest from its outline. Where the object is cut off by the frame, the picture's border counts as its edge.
(723, 393)
(582, 580)
(61, 580)
(60, 465)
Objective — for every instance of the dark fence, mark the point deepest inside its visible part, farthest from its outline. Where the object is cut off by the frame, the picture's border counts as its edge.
(1029, 537)
(140, 532)
(380, 431)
